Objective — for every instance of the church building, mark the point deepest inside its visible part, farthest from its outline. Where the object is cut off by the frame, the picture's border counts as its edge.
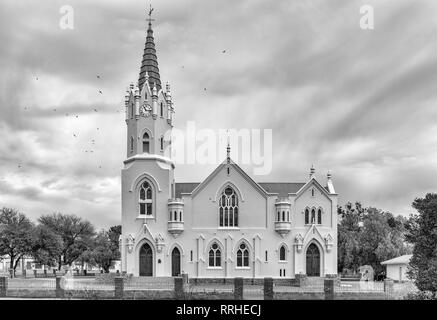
(223, 227)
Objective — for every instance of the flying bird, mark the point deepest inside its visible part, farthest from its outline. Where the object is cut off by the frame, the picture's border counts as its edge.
(95, 110)
(74, 135)
(98, 77)
(224, 51)
(100, 91)
(204, 89)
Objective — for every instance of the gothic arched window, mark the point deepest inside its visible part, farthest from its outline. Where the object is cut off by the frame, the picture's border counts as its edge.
(319, 216)
(313, 216)
(307, 216)
(162, 110)
(215, 256)
(146, 143)
(228, 208)
(243, 256)
(282, 254)
(145, 199)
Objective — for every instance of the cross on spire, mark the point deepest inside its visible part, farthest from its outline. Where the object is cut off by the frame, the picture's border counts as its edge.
(228, 149)
(150, 15)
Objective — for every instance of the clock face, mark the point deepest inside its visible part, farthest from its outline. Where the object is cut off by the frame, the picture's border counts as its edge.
(145, 110)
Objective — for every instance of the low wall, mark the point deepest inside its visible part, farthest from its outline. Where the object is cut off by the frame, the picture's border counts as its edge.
(31, 293)
(110, 277)
(246, 281)
(337, 296)
(299, 296)
(360, 296)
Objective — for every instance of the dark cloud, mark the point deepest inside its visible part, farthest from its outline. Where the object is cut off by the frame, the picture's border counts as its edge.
(357, 102)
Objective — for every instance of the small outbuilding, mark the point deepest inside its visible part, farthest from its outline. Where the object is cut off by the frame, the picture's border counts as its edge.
(397, 267)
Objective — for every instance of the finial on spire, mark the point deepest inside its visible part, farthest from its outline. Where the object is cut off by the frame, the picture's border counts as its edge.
(312, 171)
(228, 149)
(150, 15)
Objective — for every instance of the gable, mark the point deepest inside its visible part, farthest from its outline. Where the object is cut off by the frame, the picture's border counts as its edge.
(236, 173)
(314, 183)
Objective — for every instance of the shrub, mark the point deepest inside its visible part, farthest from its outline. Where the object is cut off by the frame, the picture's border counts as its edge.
(421, 295)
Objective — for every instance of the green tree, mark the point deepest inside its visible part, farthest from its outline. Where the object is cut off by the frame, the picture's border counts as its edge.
(15, 235)
(368, 237)
(46, 245)
(348, 236)
(422, 233)
(114, 234)
(105, 248)
(75, 232)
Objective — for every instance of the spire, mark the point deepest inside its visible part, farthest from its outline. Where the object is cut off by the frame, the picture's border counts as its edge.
(329, 183)
(149, 64)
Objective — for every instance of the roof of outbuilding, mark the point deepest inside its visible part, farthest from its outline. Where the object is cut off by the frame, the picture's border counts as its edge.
(405, 259)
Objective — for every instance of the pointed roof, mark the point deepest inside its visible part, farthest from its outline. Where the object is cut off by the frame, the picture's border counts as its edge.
(405, 259)
(150, 62)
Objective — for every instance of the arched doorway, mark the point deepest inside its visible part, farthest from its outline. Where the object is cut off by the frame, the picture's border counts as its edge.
(313, 261)
(146, 260)
(175, 262)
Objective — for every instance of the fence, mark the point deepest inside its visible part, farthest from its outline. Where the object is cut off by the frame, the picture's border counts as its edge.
(127, 287)
(47, 273)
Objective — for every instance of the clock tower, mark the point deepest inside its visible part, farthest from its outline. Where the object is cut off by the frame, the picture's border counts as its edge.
(147, 177)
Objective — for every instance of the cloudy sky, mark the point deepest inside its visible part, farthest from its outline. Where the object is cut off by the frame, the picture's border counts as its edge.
(361, 103)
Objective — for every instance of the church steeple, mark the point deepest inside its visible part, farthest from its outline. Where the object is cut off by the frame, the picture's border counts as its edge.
(150, 60)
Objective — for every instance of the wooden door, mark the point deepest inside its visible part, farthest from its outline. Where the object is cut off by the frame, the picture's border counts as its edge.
(175, 262)
(146, 261)
(313, 261)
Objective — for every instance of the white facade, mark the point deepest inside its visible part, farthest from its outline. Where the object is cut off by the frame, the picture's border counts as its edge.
(226, 226)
